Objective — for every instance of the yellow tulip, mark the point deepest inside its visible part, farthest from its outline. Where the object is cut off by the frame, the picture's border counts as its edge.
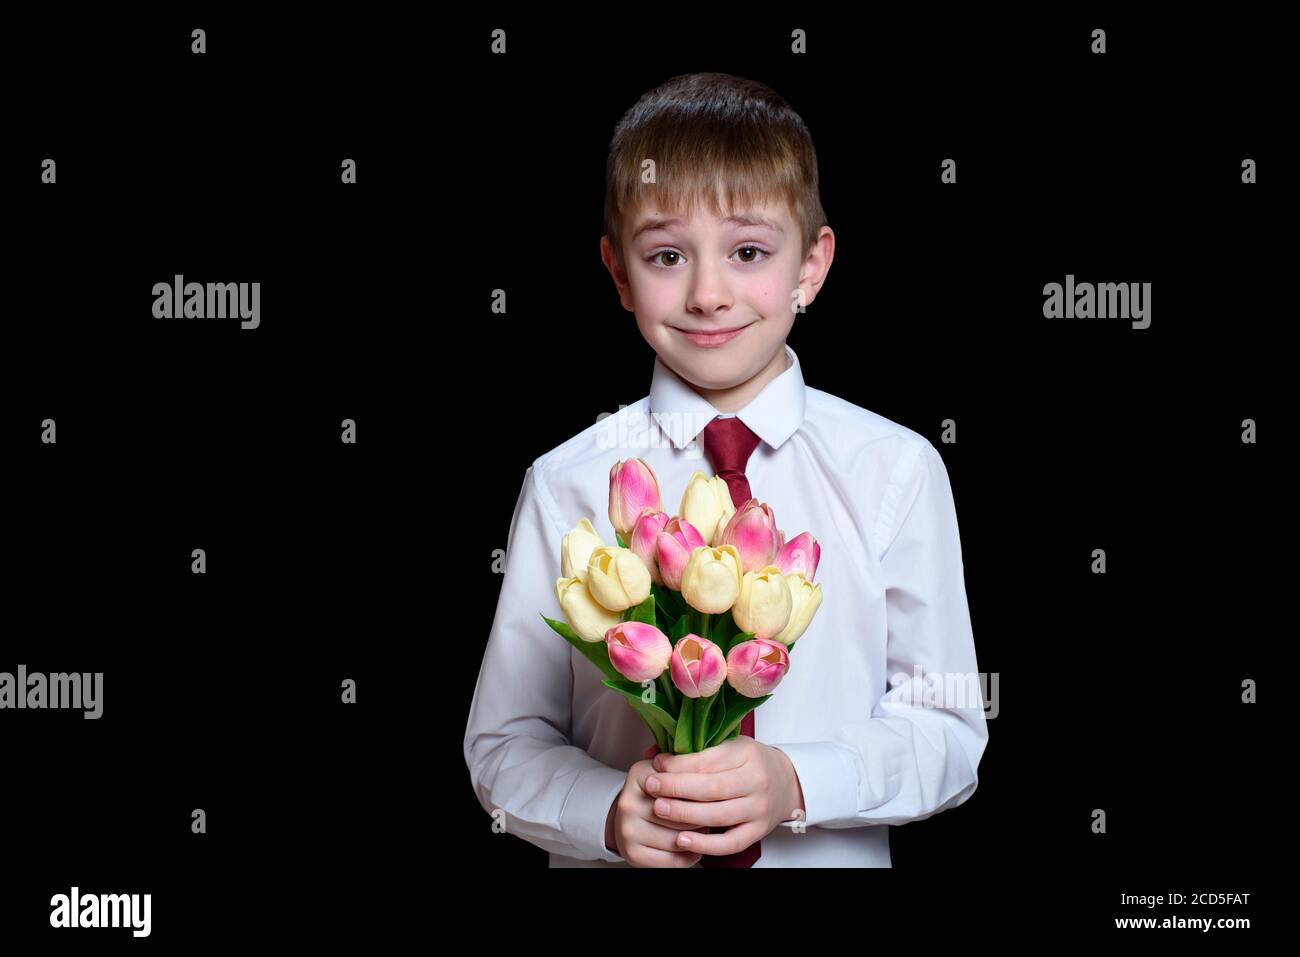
(588, 618)
(576, 549)
(805, 599)
(706, 505)
(711, 580)
(764, 604)
(617, 577)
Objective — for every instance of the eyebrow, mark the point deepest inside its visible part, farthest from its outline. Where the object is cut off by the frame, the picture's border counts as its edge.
(759, 221)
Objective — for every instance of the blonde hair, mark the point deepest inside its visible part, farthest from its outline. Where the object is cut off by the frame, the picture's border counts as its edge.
(731, 142)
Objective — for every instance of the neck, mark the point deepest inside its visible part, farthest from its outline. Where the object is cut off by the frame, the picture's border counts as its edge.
(737, 397)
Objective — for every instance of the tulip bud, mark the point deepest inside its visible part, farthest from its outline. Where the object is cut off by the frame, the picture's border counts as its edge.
(632, 489)
(576, 548)
(800, 554)
(728, 510)
(588, 617)
(752, 529)
(763, 606)
(673, 547)
(755, 668)
(644, 535)
(618, 579)
(639, 652)
(706, 504)
(805, 599)
(711, 580)
(698, 667)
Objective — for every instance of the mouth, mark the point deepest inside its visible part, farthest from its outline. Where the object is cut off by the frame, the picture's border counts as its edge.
(711, 340)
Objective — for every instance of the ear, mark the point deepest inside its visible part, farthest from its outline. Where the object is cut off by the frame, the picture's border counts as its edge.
(610, 257)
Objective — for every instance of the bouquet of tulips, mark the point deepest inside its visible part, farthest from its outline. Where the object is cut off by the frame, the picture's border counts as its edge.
(691, 618)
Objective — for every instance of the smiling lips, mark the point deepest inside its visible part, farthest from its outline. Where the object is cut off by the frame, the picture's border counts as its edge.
(711, 340)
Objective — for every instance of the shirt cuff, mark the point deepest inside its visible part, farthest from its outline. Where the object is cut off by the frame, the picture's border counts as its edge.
(586, 809)
(829, 779)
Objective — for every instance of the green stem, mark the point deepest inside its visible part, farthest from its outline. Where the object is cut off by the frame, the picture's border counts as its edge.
(666, 682)
(706, 625)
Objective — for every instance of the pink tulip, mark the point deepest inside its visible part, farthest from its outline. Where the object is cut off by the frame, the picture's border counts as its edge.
(639, 652)
(644, 538)
(673, 547)
(754, 533)
(698, 666)
(801, 554)
(756, 667)
(632, 489)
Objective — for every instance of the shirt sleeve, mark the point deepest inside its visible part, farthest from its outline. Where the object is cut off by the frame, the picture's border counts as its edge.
(521, 764)
(919, 750)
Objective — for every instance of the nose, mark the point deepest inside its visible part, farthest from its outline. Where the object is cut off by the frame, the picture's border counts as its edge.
(708, 292)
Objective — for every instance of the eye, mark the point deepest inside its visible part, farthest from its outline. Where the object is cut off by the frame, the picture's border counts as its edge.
(663, 252)
(754, 254)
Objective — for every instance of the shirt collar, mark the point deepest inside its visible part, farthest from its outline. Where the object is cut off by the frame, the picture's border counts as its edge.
(774, 414)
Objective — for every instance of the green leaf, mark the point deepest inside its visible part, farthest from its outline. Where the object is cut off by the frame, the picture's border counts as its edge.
(650, 712)
(738, 638)
(618, 537)
(737, 708)
(700, 719)
(680, 628)
(718, 712)
(684, 741)
(597, 652)
(669, 601)
(724, 626)
(644, 612)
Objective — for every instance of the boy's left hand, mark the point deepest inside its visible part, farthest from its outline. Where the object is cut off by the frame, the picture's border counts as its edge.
(741, 784)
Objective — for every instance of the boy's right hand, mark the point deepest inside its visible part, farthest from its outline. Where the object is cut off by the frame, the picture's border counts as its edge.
(632, 830)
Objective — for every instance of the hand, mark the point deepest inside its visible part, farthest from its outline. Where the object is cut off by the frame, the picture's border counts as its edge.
(739, 784)
(632, 830)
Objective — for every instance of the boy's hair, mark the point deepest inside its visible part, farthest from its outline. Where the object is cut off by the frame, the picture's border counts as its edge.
(730, 141)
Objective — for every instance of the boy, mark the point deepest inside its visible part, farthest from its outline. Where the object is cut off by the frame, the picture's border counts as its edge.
(716, 239)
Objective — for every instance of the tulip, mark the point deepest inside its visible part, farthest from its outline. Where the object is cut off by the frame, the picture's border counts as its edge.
(673, 549)
(707, 505)
(698, 667)
(576, 549)
(755, 668)
(752, 529)
(805, 599)
(800, 554)
(639, 652)
(764, 604)
(643, 543)
(711, 580)
(618, 579)
(632, 489)
(588, 617)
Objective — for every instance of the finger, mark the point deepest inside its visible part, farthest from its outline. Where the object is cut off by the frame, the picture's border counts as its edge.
(654, 835)
(732, 841)
(720, 757)
(715, 786)
(645, 811)
(652, 857)
(705, 813)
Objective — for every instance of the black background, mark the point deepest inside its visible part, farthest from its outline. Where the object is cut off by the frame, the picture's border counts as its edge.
(478, 172)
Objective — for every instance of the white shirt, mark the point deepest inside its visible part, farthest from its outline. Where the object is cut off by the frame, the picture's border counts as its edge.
(547, 744)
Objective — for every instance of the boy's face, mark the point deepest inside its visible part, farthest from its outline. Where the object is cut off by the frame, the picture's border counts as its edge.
(712, 295)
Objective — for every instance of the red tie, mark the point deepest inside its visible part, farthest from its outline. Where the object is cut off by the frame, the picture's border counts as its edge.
(728, 444)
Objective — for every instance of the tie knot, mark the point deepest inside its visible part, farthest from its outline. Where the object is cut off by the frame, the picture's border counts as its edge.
(728, 443)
